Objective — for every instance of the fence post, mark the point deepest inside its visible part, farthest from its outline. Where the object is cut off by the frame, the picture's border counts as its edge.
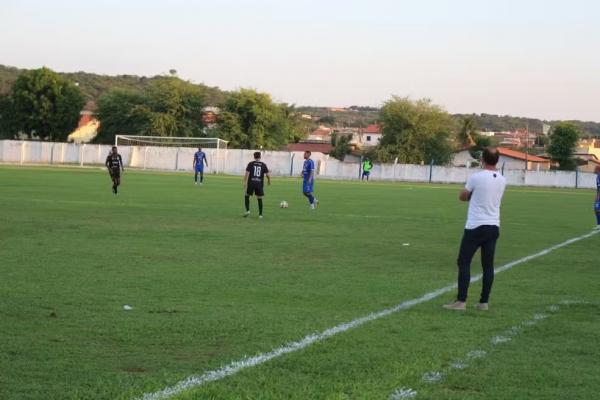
(360, 163)
(52, 153)
(145, 156)
(81, 152)
(23, 151)
(576, 177)
(430, 170)
(177, 159)
(292, 155)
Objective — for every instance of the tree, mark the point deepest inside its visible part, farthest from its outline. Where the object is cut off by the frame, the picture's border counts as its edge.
(467, 132)
(250, 119)
(563, 141)
(414, 132)
(167, 106)
(43, 105)
(341, 146)
(479, 143)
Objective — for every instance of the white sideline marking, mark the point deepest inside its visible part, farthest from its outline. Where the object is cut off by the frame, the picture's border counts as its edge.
(236, 366)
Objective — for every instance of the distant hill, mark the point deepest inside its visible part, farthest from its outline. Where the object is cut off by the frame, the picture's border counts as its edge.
(499, 123)
(94, 85)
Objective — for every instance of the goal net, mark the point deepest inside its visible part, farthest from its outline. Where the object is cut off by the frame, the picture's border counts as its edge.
(175, 153)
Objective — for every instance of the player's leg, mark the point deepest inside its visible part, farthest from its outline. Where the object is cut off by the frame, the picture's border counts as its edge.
(488, 250)
(196, 176)
(249, 192)
(260, 193)
(597, 210)
(468, 247)
(201, 175)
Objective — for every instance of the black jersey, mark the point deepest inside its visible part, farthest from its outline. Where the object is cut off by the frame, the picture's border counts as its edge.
(114, 161)
(256, 172)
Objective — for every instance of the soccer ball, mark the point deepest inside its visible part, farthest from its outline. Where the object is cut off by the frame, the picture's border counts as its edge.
(283, 204)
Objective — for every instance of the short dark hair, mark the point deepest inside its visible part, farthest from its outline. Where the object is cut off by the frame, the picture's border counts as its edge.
(114, 147)
(490, 155)
(257, 154)
(307, 151)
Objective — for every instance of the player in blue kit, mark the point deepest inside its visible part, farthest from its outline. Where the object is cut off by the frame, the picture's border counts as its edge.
(308, 180)
(199, 161)
(597, 202)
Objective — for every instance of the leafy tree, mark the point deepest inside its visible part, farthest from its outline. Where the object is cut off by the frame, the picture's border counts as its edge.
(7, 123)
(479, 143)
(341, 146)
(165, 107)
(250, 119)
(563, 141)
(467, 132)
(414, 132)
(327, 119)
(42, 104)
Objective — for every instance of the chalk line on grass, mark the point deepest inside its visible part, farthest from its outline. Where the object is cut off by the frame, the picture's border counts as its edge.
(236, 366)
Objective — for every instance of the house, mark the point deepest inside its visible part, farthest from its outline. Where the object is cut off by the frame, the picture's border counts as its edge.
(210, 115)
(463, 159)
(322, 134)
(589, 146)
(87, 127)
(586, 162)
(371, 136)
(513, 159)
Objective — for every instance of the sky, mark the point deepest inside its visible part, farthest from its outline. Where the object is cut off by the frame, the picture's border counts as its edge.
(530, 58)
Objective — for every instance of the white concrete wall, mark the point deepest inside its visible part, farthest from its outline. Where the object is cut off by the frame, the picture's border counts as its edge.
(281, 163)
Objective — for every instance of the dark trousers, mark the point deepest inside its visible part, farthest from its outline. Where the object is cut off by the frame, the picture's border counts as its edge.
(484, 236)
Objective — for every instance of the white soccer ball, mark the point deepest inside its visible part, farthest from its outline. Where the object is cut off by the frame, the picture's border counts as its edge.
(284, 204)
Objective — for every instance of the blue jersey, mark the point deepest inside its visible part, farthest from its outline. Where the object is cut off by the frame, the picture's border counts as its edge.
(598, 183)
(307, 168)
(199, 158)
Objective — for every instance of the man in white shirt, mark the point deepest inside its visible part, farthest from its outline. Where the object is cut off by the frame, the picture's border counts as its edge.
(483, 191)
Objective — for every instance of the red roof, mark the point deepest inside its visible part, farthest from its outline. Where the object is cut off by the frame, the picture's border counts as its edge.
(520, 155)
(373, 129)
(324, 148)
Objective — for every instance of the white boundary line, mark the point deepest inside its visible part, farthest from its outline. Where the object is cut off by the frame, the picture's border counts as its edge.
(236, 366)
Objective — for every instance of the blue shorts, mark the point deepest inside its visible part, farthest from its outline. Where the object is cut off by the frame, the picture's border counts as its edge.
(200, 168)
(366, 173)
(597, 206)
(307, 187)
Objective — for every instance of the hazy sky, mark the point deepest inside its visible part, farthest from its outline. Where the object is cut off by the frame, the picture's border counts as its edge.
(526, 58)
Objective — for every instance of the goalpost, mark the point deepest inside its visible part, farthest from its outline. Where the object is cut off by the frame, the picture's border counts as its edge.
(162, 152)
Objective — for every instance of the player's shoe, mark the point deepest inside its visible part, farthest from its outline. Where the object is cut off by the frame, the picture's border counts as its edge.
(482, 306)
(316, 203)
(597, 227)
(457, 305)
(260, 217)
(246, 214)
(195, 182)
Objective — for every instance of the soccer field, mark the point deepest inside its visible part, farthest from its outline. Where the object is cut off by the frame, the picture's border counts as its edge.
(208, 288)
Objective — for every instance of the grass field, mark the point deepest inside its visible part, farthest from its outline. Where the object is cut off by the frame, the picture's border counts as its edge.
(208, 287)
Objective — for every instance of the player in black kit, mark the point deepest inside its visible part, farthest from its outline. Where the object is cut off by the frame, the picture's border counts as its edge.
(114, 163)
(254, 180)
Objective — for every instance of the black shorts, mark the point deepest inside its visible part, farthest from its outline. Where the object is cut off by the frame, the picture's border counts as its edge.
(115, 173)
(255, 188)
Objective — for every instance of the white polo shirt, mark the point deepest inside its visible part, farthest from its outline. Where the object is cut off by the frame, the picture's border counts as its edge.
(487, 188)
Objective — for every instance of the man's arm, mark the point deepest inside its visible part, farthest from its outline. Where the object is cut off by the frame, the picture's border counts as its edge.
(107, 163)
(205, 160)
(121, 162)
(268, 178)
(194, 163)
(464, 195)
(245, 179)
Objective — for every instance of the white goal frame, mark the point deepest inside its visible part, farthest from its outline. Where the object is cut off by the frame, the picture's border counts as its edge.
(220, 146)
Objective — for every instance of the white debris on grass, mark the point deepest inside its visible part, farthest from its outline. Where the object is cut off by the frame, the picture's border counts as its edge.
(403, 393)
(432, 377)
(500, 339)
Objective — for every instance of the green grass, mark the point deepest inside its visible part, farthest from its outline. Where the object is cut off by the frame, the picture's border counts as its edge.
(208, 287)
